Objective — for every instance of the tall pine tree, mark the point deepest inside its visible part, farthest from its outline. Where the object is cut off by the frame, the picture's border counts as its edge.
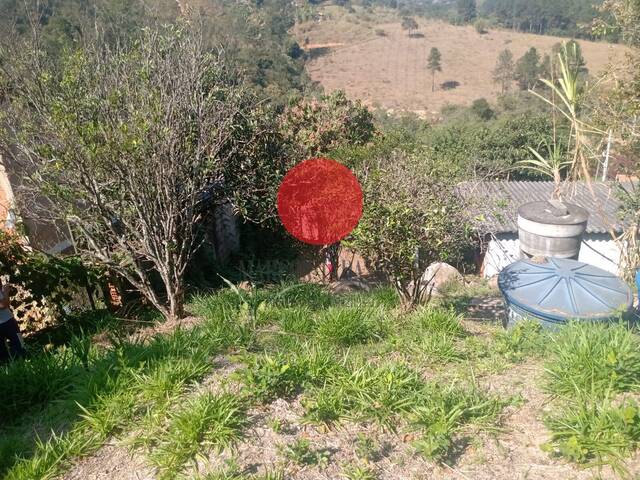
(467, 10)
(434, 64)
(504, 71)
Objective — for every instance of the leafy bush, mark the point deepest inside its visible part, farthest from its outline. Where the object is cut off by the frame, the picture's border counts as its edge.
(410, 219)
(481, 25)
(314, 127)
(482, 109)
(47, 282)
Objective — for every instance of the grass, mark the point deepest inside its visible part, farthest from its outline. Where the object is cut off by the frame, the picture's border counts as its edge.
(353, 359)
(212, 421)
(597, 361)
(590, 368)
(346, 326)
(302, 453)
(83, 403)
(359, 472)
(595, 433)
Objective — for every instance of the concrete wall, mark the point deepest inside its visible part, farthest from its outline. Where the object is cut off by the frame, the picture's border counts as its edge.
(596, 249)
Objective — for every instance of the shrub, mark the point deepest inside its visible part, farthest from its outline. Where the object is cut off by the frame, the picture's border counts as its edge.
(481, 26)
(313, 127)
(410, 219)
(46, 283)
(482, 109)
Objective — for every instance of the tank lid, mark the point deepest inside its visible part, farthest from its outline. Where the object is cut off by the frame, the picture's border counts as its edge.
(553, 212)
(562, 289)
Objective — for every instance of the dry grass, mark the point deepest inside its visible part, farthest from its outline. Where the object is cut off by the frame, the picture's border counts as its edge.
(390, 70)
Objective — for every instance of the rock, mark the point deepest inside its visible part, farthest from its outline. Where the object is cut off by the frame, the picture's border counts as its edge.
(539, 259)
(493, 282)
(349, 285)
(436, 276)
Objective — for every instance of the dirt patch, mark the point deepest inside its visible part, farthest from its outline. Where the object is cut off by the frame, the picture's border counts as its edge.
(515, 453)
(111, 462)
(147, 333)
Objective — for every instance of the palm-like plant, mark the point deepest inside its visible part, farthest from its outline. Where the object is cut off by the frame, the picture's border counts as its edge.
(567, 97)
(553, 164)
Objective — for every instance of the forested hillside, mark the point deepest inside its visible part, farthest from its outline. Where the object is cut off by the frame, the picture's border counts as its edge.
(571, 18)
(253, 34)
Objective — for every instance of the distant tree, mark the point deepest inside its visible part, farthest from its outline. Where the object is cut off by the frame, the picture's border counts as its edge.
(409, 24)
(482, 109)
(621, 17)
(504, 72)
(528, 69)
(466, 10)
(481, 25)
(543, 16)
(434, 64)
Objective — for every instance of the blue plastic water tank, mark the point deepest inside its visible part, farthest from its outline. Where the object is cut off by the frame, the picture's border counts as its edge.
(559, 290)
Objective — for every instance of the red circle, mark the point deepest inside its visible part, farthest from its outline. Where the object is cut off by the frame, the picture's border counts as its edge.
(320, 201)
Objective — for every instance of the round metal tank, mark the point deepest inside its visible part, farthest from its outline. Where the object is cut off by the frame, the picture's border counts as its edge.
(551, 228)
(559, 290)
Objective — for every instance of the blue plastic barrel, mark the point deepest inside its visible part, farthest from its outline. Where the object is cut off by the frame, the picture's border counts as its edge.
(559, 290)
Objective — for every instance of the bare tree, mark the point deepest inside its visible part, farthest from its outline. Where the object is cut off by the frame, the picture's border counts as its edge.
(126, 147)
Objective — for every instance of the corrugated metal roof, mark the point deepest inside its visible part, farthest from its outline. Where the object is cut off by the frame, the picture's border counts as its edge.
(494, 204)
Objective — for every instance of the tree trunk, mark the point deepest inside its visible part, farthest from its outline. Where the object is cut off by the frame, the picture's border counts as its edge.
(433, 82)
(176, 304)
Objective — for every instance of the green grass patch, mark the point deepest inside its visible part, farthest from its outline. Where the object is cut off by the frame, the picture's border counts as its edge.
(524, 339)
(593, 360)
(104, 392)
(445, 411)
(595, 433)
(285, 374)
(203, 423)
(589, 369)
(301, 453)
(428, 320)
(347, 326)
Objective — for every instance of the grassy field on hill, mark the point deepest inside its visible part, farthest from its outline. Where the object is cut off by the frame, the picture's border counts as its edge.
(373, 59)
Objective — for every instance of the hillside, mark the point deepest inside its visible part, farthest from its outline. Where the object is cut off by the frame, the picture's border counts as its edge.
(373, 59)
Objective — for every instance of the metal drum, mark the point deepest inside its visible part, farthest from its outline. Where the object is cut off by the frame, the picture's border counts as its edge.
(559, 290)
(551, 228)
